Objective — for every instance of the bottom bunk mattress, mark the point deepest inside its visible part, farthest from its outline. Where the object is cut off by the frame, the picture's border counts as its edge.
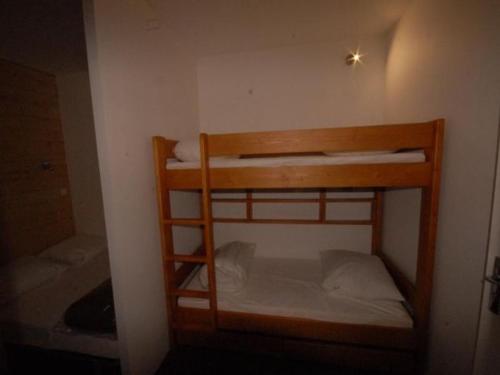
(36, 318)
(292, 288)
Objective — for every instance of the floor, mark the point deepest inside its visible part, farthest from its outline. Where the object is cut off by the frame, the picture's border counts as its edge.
(185, 361)
(25, 360)
(194, 361)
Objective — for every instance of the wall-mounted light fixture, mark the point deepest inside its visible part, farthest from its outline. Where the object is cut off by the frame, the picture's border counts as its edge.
(353, 58)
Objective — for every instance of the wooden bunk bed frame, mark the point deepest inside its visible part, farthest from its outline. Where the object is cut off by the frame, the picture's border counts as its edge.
(358, 345)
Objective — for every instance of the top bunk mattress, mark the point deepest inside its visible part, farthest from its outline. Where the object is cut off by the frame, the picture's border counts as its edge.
(292, 288)
(282, 161)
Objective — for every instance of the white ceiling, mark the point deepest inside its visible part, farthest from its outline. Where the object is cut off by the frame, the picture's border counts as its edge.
(49, 34)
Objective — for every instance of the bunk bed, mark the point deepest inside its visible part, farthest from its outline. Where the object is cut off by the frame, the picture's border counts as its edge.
(294, 160)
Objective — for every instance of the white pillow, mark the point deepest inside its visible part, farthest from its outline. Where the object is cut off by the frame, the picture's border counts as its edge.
(232, 264)
(361, 153)
(25, 274)
(76, 250)
(189, 150)
(357, 275)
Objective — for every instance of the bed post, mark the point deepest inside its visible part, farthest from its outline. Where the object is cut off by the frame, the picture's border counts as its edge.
(427, 241)
(208, 237)
(162, 150)
(377, 219)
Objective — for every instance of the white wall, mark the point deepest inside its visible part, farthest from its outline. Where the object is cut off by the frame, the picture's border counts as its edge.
(141, 86)
(301, 86)
(401, 210)
(81, 152)
(444, 62)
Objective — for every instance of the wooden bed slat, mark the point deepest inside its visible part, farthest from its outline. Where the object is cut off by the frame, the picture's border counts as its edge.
(186, 268)
(293, 200)
(188, 258)
(192, 293)
(183, 222)
(291, 221)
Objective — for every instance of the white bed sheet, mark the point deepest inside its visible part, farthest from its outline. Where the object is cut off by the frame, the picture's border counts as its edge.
(395, 157)
(291, 288)
(36, 317)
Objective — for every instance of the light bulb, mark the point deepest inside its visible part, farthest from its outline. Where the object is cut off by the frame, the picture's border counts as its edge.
(353, 58)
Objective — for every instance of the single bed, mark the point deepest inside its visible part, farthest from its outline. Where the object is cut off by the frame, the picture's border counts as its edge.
(36, 318)
(292, 288)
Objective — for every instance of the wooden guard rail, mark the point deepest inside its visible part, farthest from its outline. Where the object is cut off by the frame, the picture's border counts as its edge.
(322, 202)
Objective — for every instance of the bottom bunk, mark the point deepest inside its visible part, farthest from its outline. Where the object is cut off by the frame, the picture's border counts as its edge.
(57, 312)
(292, 288)
(284, 308)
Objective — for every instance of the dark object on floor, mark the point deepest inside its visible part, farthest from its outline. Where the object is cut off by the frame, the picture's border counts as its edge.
(25, 360)
(197, 361)
(94, 312)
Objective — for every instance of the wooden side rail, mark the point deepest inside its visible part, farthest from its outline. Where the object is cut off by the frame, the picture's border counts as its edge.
(322, 201)
(358, 138)
(395, 175)
(389, 337)
(383, 137)
(371, 358)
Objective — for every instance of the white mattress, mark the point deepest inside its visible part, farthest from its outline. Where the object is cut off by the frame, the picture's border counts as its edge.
(384, 158)
(36, 318)
(291, 288)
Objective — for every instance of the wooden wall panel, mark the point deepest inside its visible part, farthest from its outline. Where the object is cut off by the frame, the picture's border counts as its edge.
(35, 203)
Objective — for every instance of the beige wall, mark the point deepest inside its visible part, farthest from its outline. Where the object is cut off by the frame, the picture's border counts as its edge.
(81, 152)
(300, 86)
(141, 86)
(444, 62)
(401, 209)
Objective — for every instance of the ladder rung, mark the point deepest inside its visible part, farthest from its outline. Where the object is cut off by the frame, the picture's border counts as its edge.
(188, 258)
(192, 293)
(185, 222)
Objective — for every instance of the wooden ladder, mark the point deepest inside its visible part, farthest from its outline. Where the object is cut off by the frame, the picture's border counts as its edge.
(204, 255)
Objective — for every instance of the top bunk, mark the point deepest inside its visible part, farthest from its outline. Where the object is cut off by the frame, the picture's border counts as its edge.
(405, 155)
